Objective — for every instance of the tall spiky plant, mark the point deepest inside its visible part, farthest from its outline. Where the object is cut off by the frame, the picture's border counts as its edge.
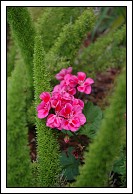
(103, 151)
(23, 31)
(47, 146)
(18, 159)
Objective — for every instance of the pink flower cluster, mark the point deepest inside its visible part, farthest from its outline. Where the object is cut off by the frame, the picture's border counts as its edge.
(62, 109)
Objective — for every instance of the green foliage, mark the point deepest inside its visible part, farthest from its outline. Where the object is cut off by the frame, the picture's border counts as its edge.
(23, 32)
(36, 12)
(53, 20)
(68, 43)
(110, 18)
(47, 146)
(119, 166)
(107, 51)
(69, 165)
(31, 114)
(11, 55)
(34, 170)
(105, 148)
(18, 160)
(93, 116)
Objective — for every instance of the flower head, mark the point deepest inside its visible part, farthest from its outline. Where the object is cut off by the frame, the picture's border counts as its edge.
(60, 76)
(84, 84)
(66, 110)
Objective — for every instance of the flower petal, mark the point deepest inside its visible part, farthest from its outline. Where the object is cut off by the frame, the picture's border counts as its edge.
(69, 70)
(82, 119)
(81, 88)
(42, 113)
(81, 76)
(68, 108)
(88, 81)
(41, 105)
(45, 96)
(87, 89)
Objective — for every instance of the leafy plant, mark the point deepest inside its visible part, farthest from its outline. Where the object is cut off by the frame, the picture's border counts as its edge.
(69, 164)
(94, 117)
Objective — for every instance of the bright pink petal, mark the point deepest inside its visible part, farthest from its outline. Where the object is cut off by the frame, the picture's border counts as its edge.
(58, 106)
(41, 106)
(50, 118)
(81, 76)
(42, 113)
(65, 124)
(87, 90)
(76, 122)
(72, 91)
(78, 102)
(53, 102)
(88, 81)
(60, 76)
(45, 96)
(82, 119)
(71, 127)
(68, 108)
(69, 70)
(77, 109)
(81, 88)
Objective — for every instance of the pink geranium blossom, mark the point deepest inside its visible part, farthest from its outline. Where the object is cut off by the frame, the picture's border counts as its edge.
(65, 110)
(78, 102)
(73, 117)
(44, 107)
(45, 96)
(54, 121)
(84, 84)
(69, 83)
(60, 76)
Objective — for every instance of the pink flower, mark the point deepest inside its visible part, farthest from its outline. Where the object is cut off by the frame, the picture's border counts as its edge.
(67, 88)
(70, 80)
(59, 93)
(73, 117)
(54, 121)
(43, 109)
(69, 83)
(78, 102)
(84, 85)
(45, 96)
(62, 73)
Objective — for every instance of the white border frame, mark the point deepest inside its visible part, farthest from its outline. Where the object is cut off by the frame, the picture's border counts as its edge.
(129, 96)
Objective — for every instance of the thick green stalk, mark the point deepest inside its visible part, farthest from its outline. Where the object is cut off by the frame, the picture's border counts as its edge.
(47, 146)
(107, 144)
(18, 159)
(23, 32)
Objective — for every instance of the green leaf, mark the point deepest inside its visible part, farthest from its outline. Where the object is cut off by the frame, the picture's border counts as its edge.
(69, 164)
(93, 116)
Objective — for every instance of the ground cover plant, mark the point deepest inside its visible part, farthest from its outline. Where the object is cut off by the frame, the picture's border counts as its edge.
(66, 97)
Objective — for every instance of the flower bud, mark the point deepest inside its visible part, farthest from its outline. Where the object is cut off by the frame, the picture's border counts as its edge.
(66, 139)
